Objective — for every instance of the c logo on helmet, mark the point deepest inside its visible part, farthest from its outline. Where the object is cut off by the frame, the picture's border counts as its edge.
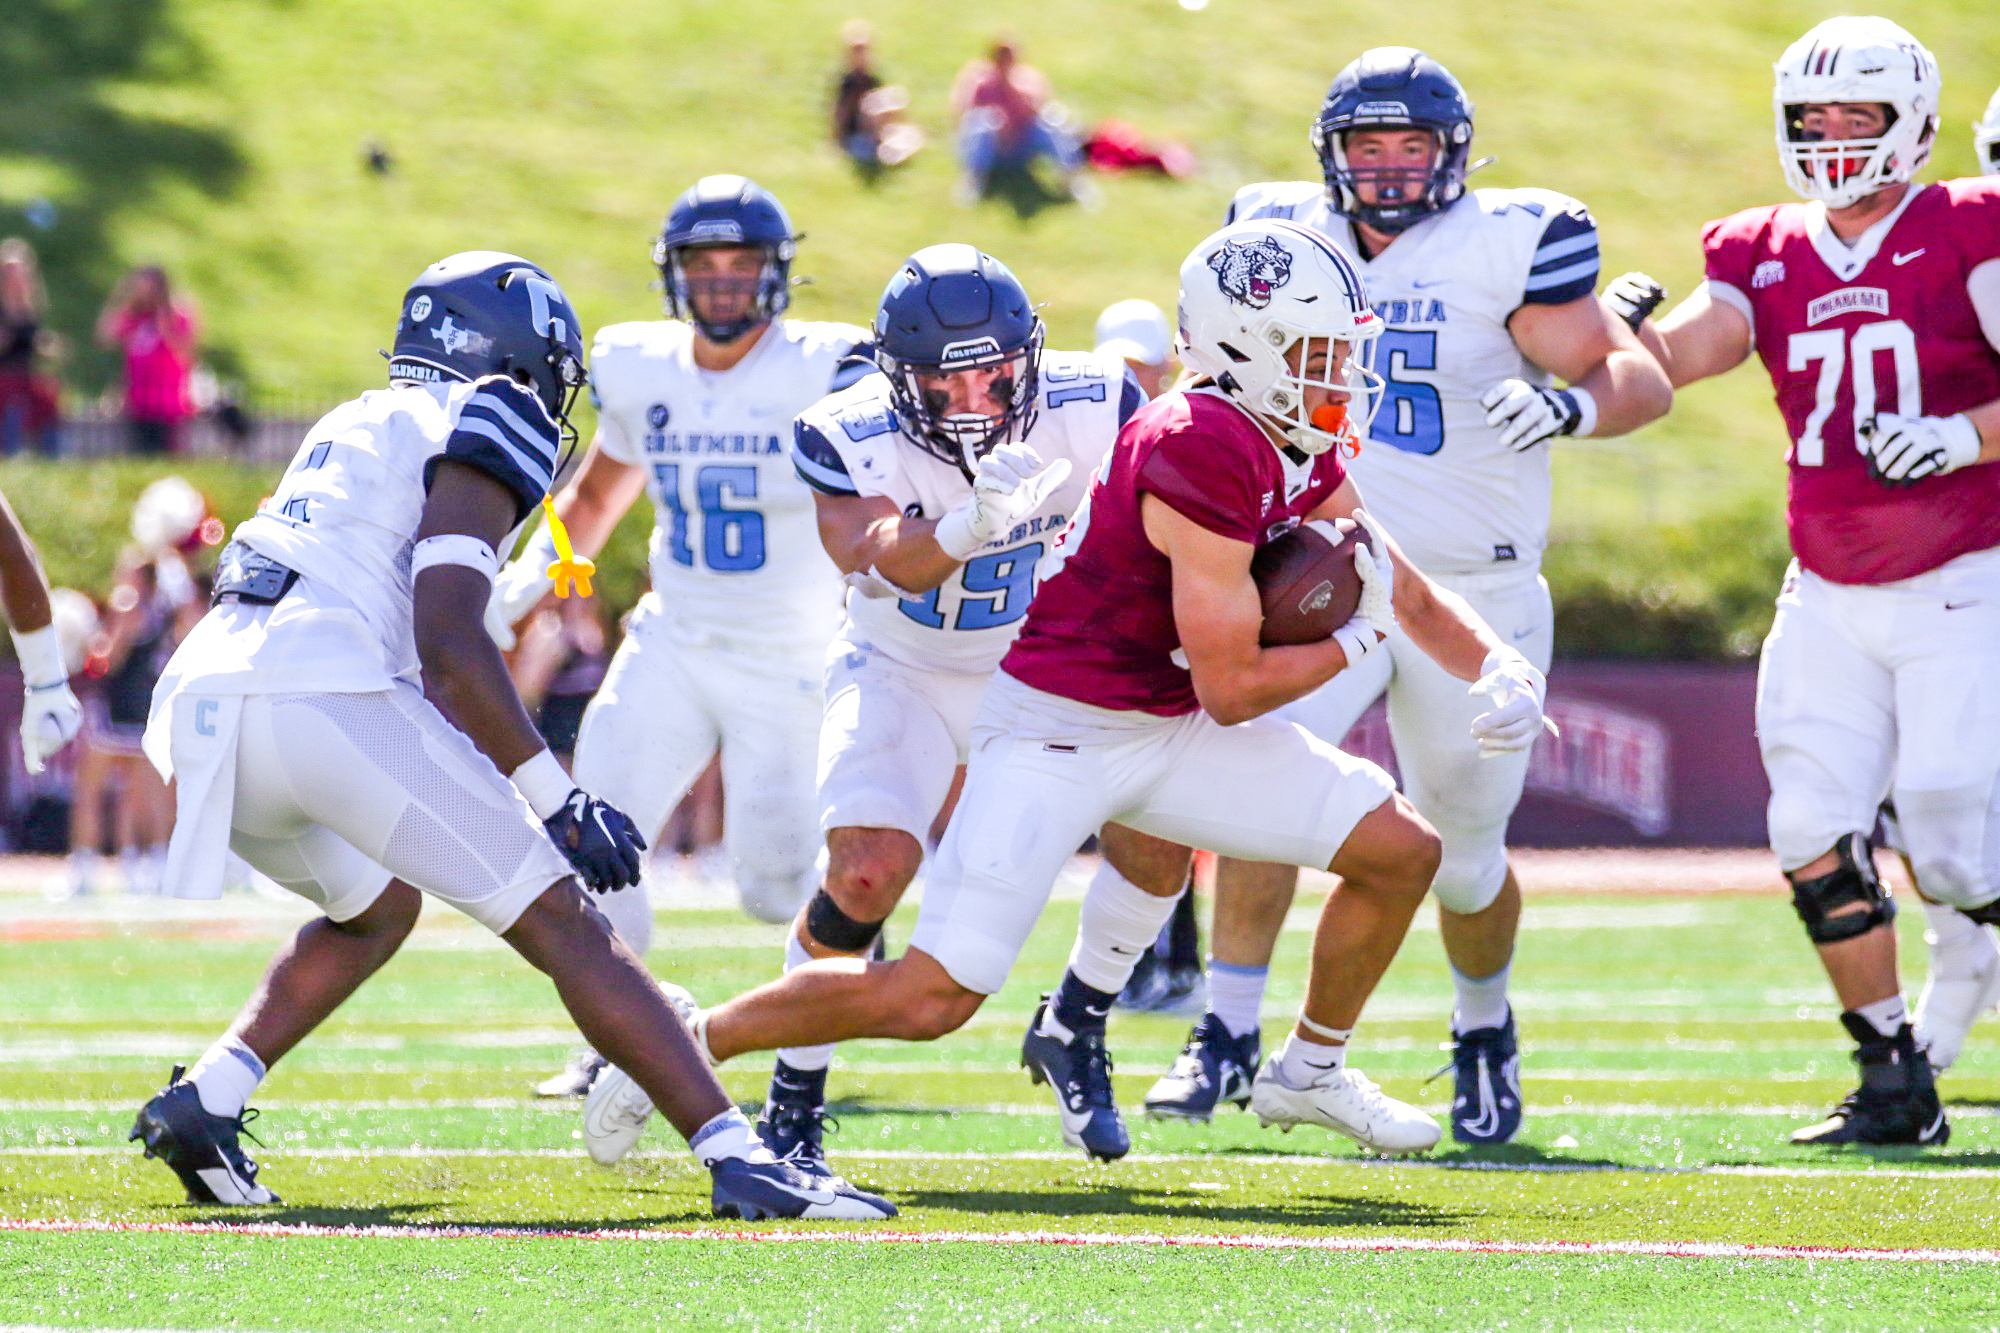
(1249, 271)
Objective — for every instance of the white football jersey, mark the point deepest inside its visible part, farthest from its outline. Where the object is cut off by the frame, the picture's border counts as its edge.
(735, 546)
(345, 516)
(853, 444)
(1434, 471)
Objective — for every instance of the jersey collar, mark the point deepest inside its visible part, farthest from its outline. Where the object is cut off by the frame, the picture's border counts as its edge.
(1848, 261)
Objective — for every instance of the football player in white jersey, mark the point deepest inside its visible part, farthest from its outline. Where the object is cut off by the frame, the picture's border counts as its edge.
(727, 648)
(1488, 300)
(1986, 137)
(342, 721)
(942, 484)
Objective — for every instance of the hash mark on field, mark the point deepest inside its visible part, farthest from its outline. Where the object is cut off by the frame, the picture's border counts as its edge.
(1352, 1244)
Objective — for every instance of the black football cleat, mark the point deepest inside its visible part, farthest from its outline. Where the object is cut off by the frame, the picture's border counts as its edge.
(1486, 1085)
(1897, 1101)
(198, 1147)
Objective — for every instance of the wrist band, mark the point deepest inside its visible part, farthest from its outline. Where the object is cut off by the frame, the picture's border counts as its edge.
(543, 784)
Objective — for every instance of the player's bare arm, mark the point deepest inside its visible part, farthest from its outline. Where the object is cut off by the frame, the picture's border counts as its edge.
(464, 674)
(1586, 346)
(1701, 337)
(1218, 617)
(24, 589)
(600, 494)
(868, 533)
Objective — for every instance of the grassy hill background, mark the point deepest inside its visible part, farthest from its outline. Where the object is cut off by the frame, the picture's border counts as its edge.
(223, 138)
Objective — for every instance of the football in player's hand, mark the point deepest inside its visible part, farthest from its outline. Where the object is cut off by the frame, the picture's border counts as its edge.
(1307, 582)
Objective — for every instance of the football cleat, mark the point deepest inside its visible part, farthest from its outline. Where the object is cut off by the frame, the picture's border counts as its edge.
(1078, 1068)
(1346, 1102)
(1486, 1084)
(1953, 1000)
(615, 1112)
(760, 1187)
(794, 1127)
(199, 1147)
(1897, 1101)
(1160, 987)
(575, 1080)
(1212, 1069)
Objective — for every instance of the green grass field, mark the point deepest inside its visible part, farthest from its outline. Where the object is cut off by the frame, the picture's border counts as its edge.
(1671, 1043)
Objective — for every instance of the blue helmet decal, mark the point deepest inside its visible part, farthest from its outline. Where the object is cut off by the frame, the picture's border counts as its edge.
(952, 308)
(1394, 87)
(482, 313)
(731, 211)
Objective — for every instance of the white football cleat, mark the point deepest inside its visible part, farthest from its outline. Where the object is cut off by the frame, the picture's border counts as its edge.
(1953, 999)
(1346, 1102)
(691, 1014)
(615, 1112)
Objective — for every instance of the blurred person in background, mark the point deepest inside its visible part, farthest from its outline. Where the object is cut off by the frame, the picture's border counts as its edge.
(155, 332)
(154, 601)
(30, 398)
(868, 122)
(1137, 331)
(1007, 120)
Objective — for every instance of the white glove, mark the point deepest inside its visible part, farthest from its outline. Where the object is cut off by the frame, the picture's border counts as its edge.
(520, 587)
(1516, 690)
(1374, 616)
(1902, 450)
(1633, 297)
(1527, 416)
(1010, 484)
(50, 714)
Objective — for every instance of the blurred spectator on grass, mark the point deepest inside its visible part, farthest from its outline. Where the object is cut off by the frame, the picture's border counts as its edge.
(155, 331)
(868, 122)
(1007, 121)
(1137, 331)
(30, 398)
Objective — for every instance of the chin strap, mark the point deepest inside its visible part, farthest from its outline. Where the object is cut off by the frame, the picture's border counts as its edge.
(570, 571)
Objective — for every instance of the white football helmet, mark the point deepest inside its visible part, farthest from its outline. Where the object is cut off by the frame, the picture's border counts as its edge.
(1251, 291)
(1856, 59)
(1986, 137)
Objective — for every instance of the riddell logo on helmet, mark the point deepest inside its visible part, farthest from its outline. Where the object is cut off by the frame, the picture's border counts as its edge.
(1249, 271)
(1381, 111)
(724, 230)
(970, 350)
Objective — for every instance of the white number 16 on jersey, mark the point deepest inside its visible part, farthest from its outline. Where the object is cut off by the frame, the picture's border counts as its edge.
(1835, 353)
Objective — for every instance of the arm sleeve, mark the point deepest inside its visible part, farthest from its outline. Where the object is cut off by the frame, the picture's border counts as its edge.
(1181, 470)
(819, 464)
(1564, 266)
(504, 431)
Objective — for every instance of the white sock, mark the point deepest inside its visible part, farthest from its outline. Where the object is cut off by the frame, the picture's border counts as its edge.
(802, 1057)
(1949, 930)
(730, 1134)
(225, 1077)
(1886, 1016)
(630, 912)
(128, 866)
(1120, 921)
(1481, 1001)
(1302, 1063)
(83, 865)
(1236, 995)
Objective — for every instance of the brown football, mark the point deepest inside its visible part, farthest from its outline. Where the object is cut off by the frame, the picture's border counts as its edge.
(1307, 581)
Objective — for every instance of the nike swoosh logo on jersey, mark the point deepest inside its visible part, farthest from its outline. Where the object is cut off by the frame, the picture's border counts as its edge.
(1959, 606)
(1900, 260)
(1426, 286)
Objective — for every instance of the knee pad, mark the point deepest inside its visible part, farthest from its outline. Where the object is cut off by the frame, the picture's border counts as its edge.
(1852, 881)
(1951, 844)
(835, 929)
(773, 898)
(1468, 880)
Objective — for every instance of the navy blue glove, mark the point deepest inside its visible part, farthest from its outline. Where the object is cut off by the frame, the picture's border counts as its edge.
(601, 842)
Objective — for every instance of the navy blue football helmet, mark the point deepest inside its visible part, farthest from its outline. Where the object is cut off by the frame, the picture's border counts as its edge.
(485, 313)
(1394, 87)
(950, 308)
(727, 211)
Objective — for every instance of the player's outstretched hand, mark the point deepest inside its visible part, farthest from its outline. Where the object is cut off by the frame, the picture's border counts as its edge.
(599, 840)
(1516, 690)
(1374, 616)
(1633, 297)
(1527, 415)
(1902, 450)
(50, 718)
(1010, 484)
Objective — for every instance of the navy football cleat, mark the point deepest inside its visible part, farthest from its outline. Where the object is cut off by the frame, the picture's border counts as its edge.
(1897, 1101)
(1078, 1068)
(794, 1129)
(198, 1147)
(1213, 1069)
(753, 1190)
(1486, 1084)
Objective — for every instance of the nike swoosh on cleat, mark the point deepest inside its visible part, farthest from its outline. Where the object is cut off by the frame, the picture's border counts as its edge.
(1933, 1127)
(1488, 1119)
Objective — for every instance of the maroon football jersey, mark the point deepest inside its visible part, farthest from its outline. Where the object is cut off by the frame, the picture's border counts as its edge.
(1846, 334)
(1101, 630)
